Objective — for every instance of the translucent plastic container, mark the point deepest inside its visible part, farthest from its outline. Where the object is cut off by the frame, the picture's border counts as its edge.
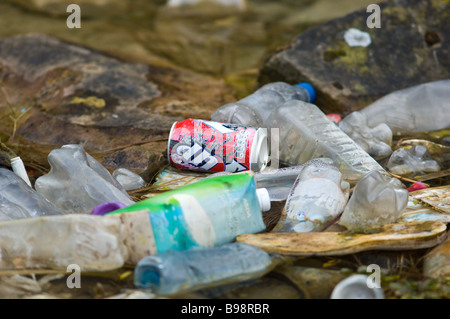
(254, 109)
(305, 133)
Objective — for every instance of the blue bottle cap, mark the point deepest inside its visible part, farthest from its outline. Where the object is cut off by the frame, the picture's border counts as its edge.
(310, 89)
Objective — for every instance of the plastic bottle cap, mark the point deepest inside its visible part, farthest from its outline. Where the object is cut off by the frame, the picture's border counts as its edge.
(310, 89)
(107, 207)
(18, 168)
(263, 198)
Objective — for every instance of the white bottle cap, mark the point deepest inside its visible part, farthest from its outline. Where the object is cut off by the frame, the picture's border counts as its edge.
(356, 287)
(19, 169)
(263, 198)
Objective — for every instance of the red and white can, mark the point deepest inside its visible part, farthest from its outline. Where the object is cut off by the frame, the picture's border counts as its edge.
(216, 147)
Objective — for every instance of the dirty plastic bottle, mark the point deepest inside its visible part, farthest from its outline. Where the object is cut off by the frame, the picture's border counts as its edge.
(278, 182)
(93, 243)
(376, 141)
(317, 198)
(77, 182)
(376, 200)
(415, 160)
(356, 287)
(204, 214)
(305, 132)
(254, 109)
(424, 107)
(15, 192)
(174, 271)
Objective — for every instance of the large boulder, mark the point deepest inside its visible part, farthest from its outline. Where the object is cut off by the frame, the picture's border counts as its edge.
(55, 93)
(410, 47)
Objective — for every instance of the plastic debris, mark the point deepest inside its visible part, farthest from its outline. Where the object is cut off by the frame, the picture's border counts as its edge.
(317, 197)
(376, 141)
(356, 287)
(18, 200)
(77, 182)
(415, 160)
(128, 179)
(306, 133)
(205, 214)
(416, 186)
(424, 107)
(55, 242)
(107, 207)
(18, 168)
(174, 271)
(255, 109)
(334, 117)
(376, 200)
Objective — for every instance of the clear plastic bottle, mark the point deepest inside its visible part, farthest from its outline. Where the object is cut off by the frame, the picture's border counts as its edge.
(254, 109)
(415, 160)
(376, 200)
(305, 132)
(278, 182)
(174, 271)
(424, 107)
(376, 141)
(316, 199)
(77, 182)
(14, 191)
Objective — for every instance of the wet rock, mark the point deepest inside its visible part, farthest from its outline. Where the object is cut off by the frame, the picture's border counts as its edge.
(120, 112)
(409, 48)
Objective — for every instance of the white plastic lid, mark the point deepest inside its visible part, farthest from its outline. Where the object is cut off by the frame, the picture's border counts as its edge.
(259, 154)
(19, 169)
(263, 198)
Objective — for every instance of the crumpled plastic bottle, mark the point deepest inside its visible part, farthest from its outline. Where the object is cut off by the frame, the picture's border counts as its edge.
(317, 198)
(254, 109)
(415, 160)
(305, 132)
(420, 108)
(77, 182)
(128, 179)
(376, 200)
(18, 200)
(175, 271)
(278, 182)
(376, 141)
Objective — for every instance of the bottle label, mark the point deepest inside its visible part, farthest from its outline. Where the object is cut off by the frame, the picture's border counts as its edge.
(210, 146)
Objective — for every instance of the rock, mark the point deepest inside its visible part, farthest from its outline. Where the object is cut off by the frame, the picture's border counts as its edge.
(409, 48)
(120, 112)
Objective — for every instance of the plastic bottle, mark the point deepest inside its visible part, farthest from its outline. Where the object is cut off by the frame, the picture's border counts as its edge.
(174, 271)
(424, 107)
(278, 182)
(77, 182)
(204, 214)
(376, 200)
(305, 132)
(93, 243)
(376, 141)
(317, 198)
(15, 192)
(415, 160)
(254, 109)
